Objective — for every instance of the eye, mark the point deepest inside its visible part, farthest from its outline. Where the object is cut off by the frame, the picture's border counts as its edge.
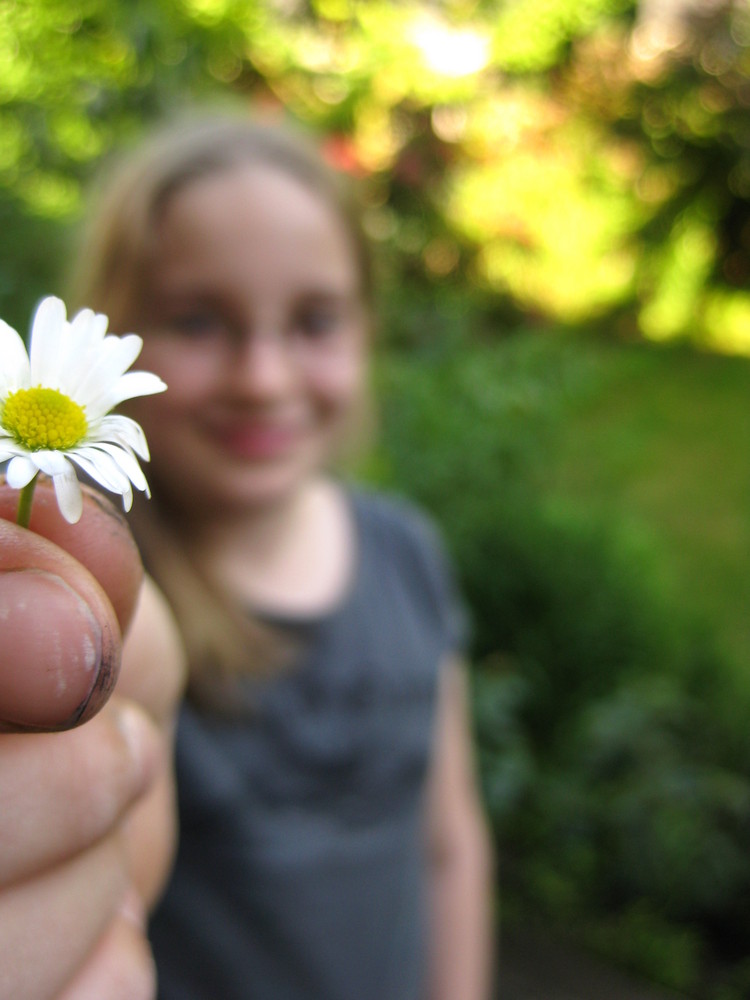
(316, 322)
(197, 323)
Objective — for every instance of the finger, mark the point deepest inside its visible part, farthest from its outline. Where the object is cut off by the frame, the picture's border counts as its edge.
(61, 644)
(61, 634)
(100, 541)
(153, 671)
(62, 792)
(120, 968)
(153, 661)
(82, 896)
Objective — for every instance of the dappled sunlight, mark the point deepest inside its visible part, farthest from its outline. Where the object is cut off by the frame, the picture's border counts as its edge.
(207, 11)
(678, 279)
(52, 195)
(727, 322)
(545, 151)
(447, 51)
(558, 242)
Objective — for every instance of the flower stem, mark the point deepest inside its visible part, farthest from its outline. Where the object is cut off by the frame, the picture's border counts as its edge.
(24, 504)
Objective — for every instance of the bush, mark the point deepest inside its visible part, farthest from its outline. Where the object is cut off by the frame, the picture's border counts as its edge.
(620, 802)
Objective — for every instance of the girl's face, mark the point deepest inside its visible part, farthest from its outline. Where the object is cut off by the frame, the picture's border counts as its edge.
(254, 318)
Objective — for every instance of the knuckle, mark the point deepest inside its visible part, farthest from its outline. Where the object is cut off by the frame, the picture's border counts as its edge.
(111, 764)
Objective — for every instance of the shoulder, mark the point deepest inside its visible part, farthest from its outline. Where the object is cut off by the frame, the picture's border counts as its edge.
(398, 521)
(405, 540)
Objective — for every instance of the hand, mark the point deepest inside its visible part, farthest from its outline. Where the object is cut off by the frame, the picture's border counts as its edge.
(78, 801)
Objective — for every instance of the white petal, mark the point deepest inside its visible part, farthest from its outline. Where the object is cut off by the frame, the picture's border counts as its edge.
(84, 335)
(52, 463)
(65, 481)
(124, 431)
(14, 361)
(105, 471)
(46, 341)
(100, 467)
(21, 470)
(128, 463)
(9, 449)
(89, 327)
(68, 493)
(135, 384)
(127, 499)
(113, 356)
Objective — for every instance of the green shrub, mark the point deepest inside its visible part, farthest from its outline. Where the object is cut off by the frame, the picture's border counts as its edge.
(620, 799)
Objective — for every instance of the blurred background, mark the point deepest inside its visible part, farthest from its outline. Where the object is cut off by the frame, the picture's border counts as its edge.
(559, 196)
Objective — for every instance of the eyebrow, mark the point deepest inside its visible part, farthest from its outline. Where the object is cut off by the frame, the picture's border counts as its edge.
(325, 293)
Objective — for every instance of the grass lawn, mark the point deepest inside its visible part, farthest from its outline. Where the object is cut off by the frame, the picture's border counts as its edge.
(661, 438)
(655, 440)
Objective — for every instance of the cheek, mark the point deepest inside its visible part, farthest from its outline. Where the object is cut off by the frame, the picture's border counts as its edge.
(162, 415)
(152, 412)
(189, 377)
(341, 386)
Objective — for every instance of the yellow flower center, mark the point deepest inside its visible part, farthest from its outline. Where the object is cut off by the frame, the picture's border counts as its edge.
(41, 419)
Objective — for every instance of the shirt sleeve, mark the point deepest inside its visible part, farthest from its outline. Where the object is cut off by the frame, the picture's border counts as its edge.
(434, 576)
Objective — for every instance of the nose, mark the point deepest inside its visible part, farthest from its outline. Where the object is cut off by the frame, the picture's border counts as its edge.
(262, 366)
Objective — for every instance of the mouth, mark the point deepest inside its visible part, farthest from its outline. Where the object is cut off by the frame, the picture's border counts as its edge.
(256, 441)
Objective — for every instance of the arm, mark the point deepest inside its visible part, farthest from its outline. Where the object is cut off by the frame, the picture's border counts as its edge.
(460, 856)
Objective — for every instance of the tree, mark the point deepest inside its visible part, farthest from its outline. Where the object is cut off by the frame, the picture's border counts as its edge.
(576, 162)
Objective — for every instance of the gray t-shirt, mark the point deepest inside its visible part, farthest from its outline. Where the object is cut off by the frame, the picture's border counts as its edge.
(300, 872)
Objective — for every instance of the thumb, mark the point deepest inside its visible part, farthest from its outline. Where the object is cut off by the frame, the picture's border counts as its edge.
(66, 594)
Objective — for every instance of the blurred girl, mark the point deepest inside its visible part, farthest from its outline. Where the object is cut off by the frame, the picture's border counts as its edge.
(332, 844)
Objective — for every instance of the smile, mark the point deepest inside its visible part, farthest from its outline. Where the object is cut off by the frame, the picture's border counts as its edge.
(257, 441)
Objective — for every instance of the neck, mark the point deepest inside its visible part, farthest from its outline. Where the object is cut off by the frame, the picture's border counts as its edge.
(252, 529)
(291, 556)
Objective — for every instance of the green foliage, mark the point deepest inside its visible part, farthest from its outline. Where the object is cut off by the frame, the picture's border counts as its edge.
(618, 786)
(630, 454)
(76, 80)
(643, 940)
(32, 269)
(580, 161)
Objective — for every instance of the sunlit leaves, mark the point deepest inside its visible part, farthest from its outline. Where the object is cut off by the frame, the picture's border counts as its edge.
(555, 222)
(531, 35)
(678, 277)
(543, 151)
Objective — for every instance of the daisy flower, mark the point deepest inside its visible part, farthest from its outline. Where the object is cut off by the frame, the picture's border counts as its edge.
(55, 403)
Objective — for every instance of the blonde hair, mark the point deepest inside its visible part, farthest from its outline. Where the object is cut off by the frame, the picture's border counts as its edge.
(110, 269)
(223, 641)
